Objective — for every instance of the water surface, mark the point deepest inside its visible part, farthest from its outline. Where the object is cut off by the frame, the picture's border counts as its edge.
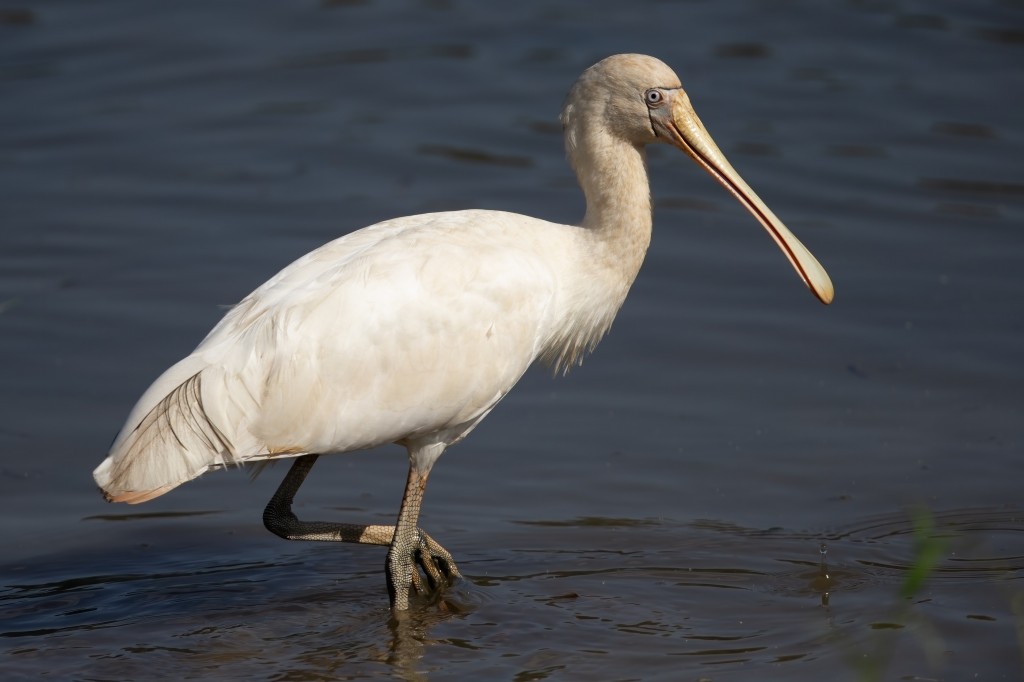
(657, 514)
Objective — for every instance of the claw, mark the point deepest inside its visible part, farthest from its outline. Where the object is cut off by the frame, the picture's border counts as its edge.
(436, 563)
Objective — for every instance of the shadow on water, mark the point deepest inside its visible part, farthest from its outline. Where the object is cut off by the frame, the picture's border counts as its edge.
(577, 593)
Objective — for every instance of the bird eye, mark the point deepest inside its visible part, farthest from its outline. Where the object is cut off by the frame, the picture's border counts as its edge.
(654, 97)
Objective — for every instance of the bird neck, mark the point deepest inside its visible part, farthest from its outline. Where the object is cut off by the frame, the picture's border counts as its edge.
(615, 236)
(613, 175)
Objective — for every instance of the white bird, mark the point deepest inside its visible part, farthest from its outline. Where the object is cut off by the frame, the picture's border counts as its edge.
(411, 330)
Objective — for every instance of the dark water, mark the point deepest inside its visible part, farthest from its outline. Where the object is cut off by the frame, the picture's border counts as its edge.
(659, 513)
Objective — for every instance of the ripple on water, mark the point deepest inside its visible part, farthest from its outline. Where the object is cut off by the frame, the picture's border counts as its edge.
(582, 593)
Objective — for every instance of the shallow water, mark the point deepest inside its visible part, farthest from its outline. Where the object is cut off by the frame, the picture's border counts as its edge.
(657, 514)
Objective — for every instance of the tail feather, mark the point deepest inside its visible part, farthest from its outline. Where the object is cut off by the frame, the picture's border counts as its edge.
(174, 443)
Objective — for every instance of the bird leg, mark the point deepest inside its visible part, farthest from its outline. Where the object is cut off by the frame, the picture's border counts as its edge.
(408, 544)
(435, 561)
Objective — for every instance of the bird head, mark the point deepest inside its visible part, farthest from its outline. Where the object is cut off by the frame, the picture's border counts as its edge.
(640, 100)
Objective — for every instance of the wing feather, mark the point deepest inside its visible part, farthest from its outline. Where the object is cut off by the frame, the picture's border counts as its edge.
(408, 328)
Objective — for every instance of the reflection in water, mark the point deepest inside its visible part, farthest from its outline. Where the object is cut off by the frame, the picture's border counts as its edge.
(757, 149)
(1009, 36)
(927, 21)
(16, 17)
(957, 185)
(411, 633)
(854, 151)
(964, 210)
(721, 593)
(591, 522)
(466, 155)
(959, 129)
(743, 50)
(379, 54)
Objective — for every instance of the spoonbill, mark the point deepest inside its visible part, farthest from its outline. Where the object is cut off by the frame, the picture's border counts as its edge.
(410, 331)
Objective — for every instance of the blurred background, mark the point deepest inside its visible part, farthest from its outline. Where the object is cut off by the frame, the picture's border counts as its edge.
(661, 512)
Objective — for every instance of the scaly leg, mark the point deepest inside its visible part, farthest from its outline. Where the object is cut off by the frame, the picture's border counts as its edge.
(437, 563)
(406, 543)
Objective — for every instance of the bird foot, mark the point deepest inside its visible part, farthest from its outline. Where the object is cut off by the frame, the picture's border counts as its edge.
(437, 565)
(423, 567)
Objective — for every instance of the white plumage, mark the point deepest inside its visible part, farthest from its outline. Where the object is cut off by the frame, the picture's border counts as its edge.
(411, 330)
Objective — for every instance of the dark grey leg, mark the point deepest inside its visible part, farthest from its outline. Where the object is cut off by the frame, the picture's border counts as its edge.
(419, 548)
